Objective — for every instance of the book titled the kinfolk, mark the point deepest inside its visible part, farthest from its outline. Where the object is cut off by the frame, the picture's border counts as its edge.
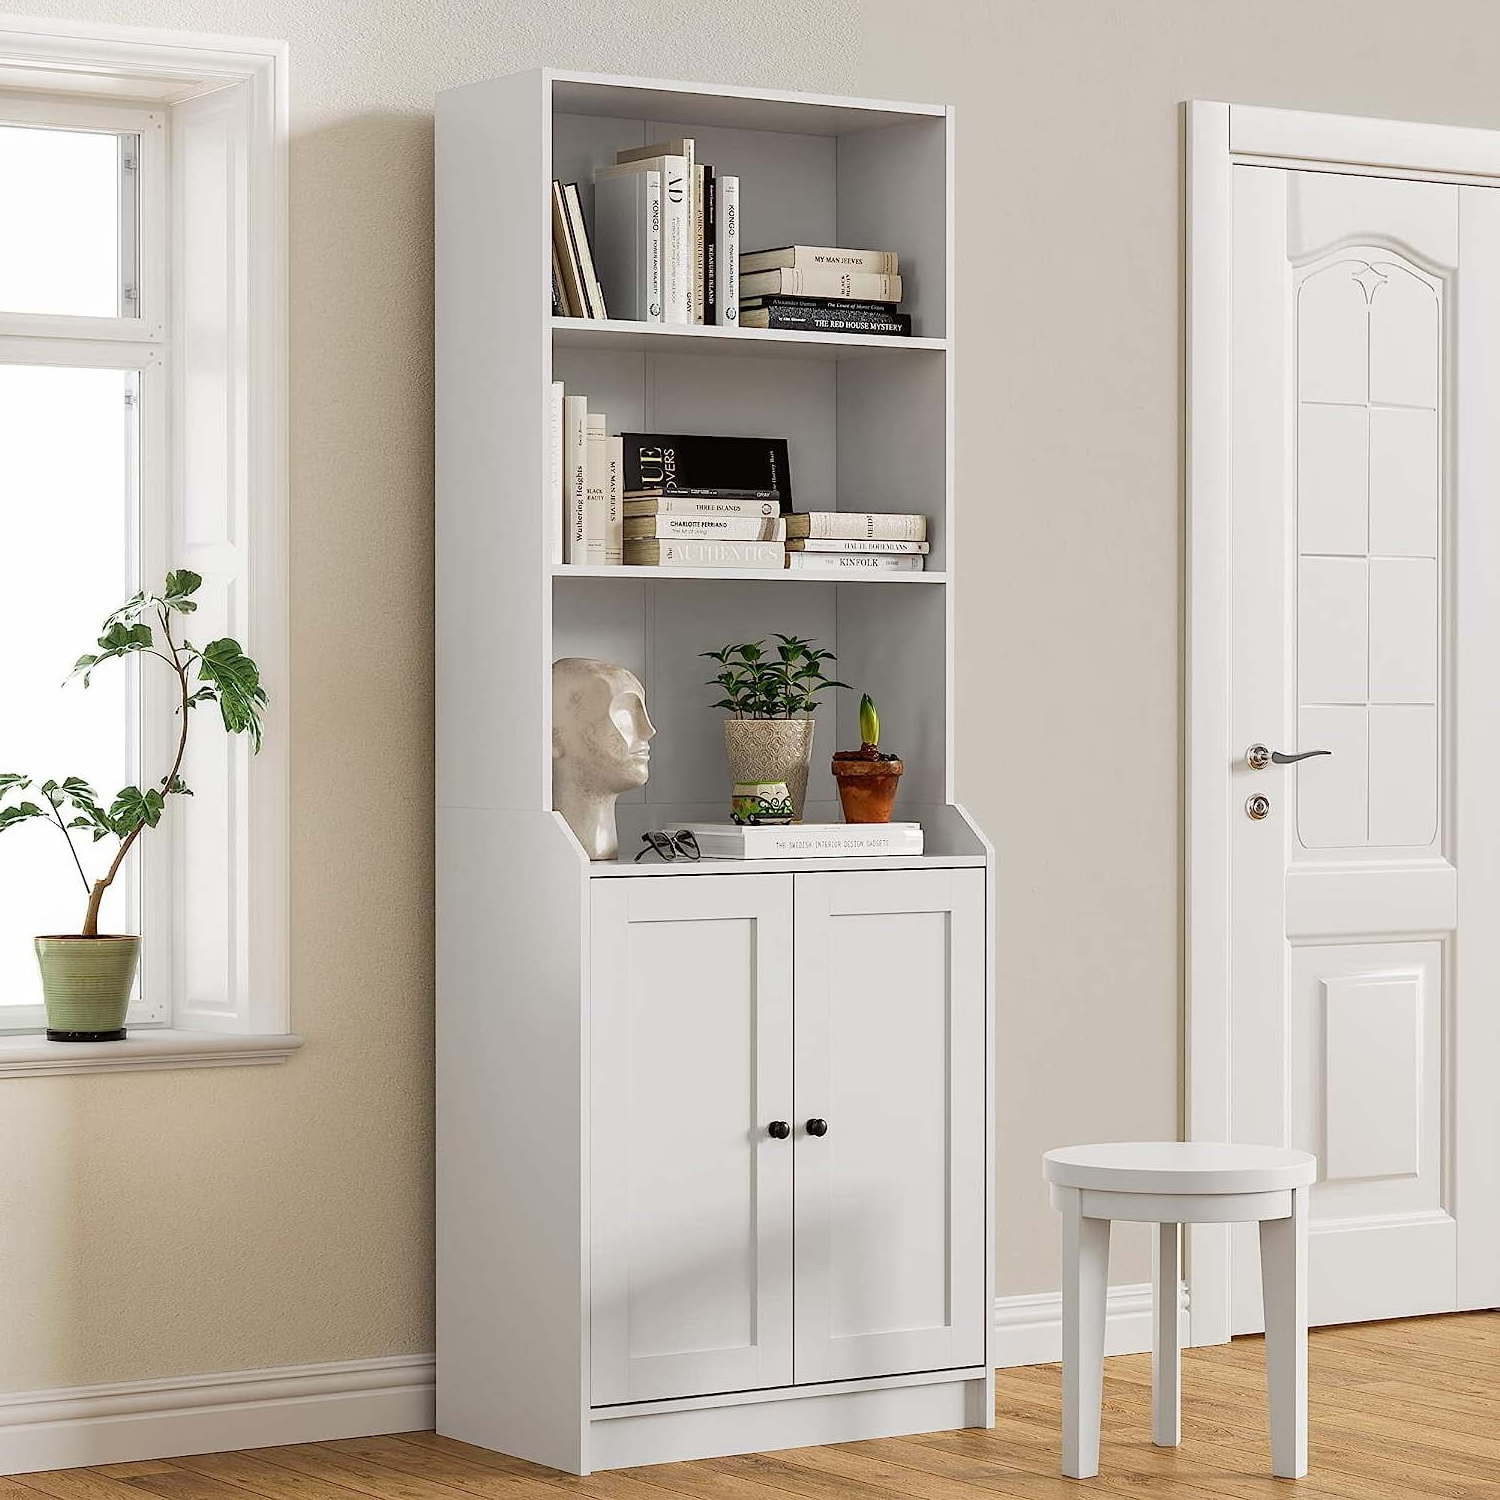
(805, 840)
(666, 463)
(852, 562)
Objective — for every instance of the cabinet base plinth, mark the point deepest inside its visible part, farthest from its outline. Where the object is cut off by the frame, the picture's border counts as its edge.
(841, 1415)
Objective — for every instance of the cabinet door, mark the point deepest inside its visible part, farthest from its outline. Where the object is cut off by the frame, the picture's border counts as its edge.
(890, 1053)
(691, 1060)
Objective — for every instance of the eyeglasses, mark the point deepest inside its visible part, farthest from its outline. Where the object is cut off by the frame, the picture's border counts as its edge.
(669, 845)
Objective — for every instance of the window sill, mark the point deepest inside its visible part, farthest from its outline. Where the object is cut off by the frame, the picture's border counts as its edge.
(32, 1055)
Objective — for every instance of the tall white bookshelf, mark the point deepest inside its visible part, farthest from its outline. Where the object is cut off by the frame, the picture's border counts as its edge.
(555, 1343)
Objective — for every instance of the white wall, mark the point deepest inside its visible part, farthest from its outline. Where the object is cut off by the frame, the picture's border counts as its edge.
(175, 1222)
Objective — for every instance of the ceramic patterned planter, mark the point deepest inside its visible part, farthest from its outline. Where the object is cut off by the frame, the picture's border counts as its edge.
(771, 750)
(86, 984)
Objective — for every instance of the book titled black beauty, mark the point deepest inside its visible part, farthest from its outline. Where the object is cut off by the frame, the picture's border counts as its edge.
(670, 463)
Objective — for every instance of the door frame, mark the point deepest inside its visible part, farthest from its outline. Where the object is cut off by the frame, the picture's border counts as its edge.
(1219, 137)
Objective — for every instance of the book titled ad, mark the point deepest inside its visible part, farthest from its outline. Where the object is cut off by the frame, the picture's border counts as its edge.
(677, 228)
(627, 244)
(668, 462)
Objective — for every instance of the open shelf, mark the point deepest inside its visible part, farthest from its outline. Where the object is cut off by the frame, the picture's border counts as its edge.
(744, 575)
(620, 336)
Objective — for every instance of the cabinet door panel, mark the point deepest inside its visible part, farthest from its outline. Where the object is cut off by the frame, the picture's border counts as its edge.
(890, 1051)
(690, 1048)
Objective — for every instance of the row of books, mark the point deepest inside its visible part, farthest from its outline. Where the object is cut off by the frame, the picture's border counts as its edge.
(823, 289)
(666, 242)
(689, 532)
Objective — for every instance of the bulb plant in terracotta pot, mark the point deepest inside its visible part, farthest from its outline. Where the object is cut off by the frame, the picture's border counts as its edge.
(867, 779)
(771, 691)
(87, 976)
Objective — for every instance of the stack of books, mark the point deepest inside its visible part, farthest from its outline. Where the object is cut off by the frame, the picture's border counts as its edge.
(666, 236)
(822, 289)
(705, 502)
(587, 482)
(576, 289)
(856, 541)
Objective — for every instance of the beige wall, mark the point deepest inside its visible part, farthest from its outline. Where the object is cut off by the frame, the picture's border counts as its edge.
(177, 1222)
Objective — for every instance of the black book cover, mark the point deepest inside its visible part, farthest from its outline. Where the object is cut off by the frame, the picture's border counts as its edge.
(673, 462)
(820, 304)
(818, 321)
(710, 243)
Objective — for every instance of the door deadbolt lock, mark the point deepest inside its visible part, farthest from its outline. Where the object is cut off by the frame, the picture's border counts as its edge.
(1258, 807)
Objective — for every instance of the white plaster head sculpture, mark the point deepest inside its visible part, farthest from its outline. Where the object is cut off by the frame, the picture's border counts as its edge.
(601, 746)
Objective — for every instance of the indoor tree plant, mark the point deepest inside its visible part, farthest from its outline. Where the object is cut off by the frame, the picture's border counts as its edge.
(87, 976)
(867, 778)
(771, 693)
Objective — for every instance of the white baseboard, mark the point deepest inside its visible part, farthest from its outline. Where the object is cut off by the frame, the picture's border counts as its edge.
(106, 1424)
(1028, 1329)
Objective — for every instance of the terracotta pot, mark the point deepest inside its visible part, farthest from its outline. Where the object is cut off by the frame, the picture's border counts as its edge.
(86, 984)
(771, 750)
(867, 788)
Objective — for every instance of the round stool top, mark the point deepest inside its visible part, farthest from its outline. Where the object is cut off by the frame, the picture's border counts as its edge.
(1179, 1167)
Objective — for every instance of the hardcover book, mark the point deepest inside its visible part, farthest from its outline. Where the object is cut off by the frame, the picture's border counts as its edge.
(805, 840)
(575, 476)
(726, 528)
(578, 230)
(826, 281)
(852, 562)
(693, 504)
(860, 544)
(806, 257)
(849, 524)
(892, 325)
(627, 234)
(677, 228)
(706, 554)
(661, 463)
(727, 250)
(596, 493)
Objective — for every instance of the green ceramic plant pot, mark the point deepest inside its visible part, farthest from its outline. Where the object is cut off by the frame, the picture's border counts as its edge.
(86, 984)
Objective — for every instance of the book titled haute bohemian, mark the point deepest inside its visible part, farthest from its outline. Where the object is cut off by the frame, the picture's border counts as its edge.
(850, 525)
(805, 840)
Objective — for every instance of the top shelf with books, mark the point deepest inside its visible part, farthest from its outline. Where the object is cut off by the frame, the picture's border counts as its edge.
(622, 336)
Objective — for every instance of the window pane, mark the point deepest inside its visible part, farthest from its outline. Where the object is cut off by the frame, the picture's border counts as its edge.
(61, 249)
(67, 501)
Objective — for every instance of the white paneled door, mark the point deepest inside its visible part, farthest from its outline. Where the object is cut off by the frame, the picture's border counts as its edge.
(1365, 550)
(890, 1123)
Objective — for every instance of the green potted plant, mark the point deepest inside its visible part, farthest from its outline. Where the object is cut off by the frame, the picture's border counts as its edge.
(867, 779)
(771, 692)
(87, 976)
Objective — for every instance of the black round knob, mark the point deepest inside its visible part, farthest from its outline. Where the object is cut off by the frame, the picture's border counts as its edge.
(817, 1127)
(779, 1130)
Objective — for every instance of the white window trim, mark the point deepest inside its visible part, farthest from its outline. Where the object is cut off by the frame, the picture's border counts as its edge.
(231, 91)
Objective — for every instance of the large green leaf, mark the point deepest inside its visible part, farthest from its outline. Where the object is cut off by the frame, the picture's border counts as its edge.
(236, 683)
(20, 812)
(132, 807)
(181, 585)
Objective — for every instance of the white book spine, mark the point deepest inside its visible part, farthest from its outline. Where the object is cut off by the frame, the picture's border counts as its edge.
(596, 504)
(823, 281)
(710, 553)
(614, 459)
(849, 562)
(679, 505)
(815, 257)
(556, 489)
(728, 250)
(729, 528)
(677, 232)
(653, 248)
(623, 244)
(831, 525)
(809, 841)
(575, 483)
(858, 544)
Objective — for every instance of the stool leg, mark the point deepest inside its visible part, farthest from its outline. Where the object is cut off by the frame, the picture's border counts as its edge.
(1283, 1275)
(1166, 1358)
(1085, 1285)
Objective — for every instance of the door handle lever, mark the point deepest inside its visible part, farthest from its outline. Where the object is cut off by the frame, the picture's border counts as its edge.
(1258, 757)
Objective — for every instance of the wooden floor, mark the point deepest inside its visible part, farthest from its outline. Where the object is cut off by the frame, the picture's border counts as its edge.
(1405, 1409)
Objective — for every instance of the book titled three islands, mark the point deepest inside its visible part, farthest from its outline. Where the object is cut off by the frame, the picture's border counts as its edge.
(806, 840)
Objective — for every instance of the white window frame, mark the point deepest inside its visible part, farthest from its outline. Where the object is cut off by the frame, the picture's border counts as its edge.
(212, 114)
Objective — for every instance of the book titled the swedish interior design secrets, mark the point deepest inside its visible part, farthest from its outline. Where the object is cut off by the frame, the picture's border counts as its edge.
(806, 840)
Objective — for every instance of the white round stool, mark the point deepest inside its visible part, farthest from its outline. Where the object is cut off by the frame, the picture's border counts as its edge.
(1168, 1183)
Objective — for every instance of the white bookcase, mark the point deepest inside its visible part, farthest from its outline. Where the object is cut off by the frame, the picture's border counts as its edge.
(632, 1266)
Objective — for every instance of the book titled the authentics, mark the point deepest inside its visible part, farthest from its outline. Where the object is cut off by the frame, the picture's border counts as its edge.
(705, 553)
(666, 463)
(805, 840)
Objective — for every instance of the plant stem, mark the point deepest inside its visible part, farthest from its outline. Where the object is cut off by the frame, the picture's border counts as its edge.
(72, 848)
(96, 894)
